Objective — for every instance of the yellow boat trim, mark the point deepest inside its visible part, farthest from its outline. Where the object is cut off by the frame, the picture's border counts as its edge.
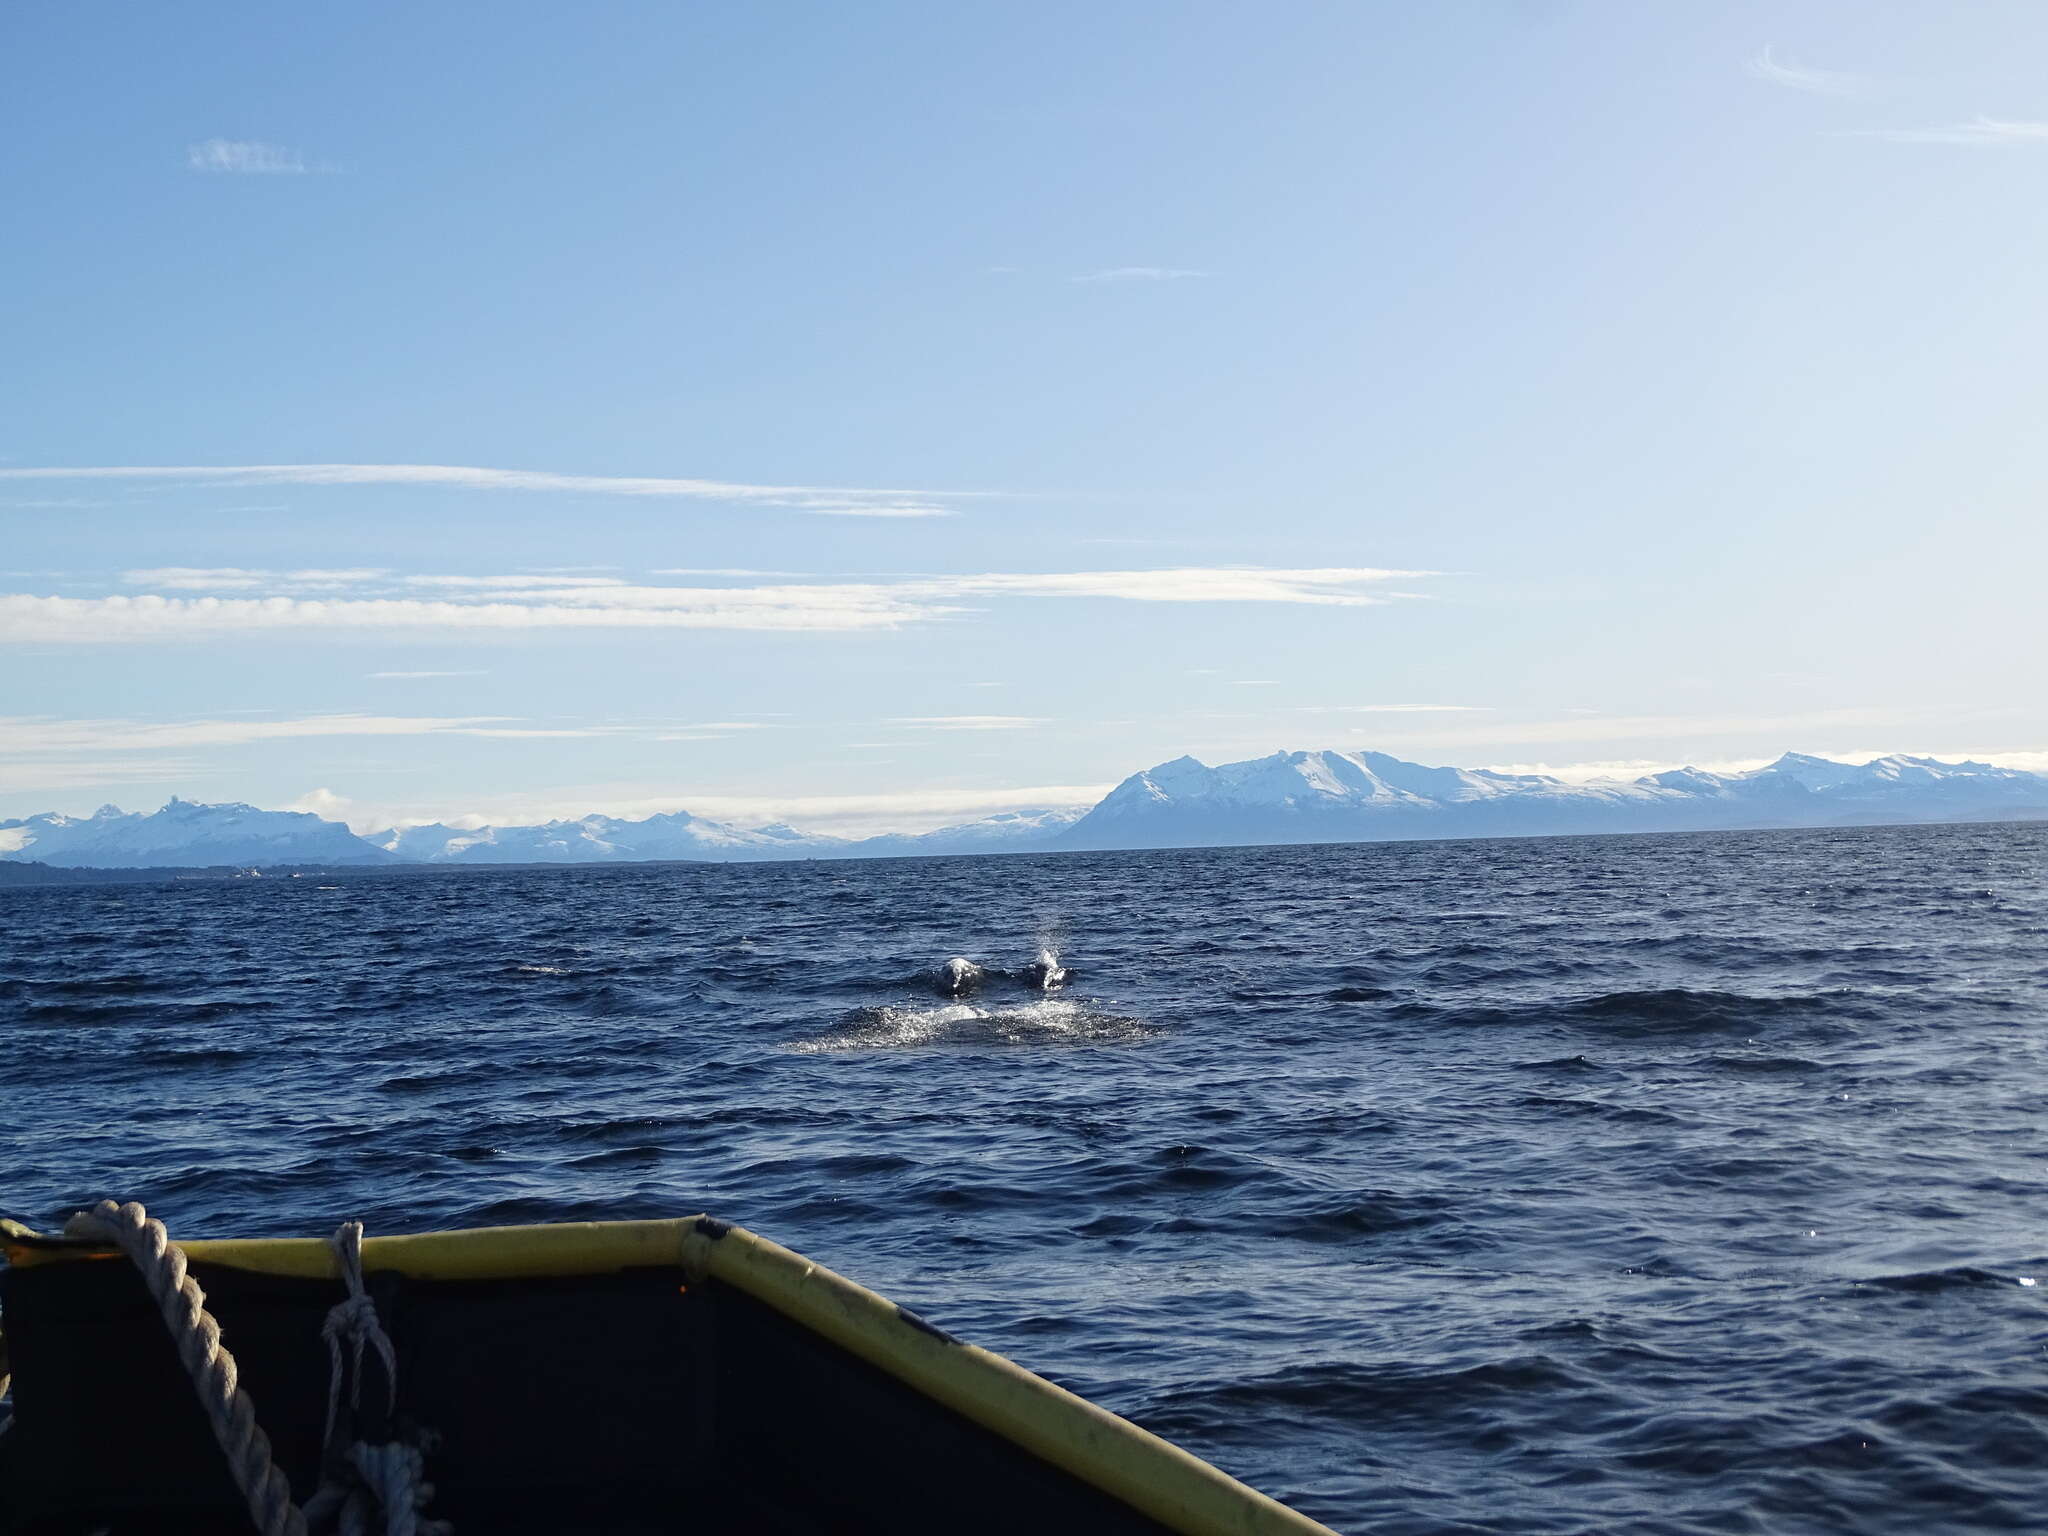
(1179, 1490)
(482, 1253)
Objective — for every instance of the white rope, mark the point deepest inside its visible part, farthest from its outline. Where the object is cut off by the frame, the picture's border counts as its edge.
(390, 1477)
(354, 1318)
(212, 1369)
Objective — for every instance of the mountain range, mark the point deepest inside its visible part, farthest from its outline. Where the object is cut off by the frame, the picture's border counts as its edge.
(1289, 797)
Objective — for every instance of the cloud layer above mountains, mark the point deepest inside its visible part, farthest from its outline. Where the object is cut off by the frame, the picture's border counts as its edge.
(241, 601)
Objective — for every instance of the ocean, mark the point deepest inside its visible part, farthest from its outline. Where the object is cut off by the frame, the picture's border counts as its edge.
(1631, 1184)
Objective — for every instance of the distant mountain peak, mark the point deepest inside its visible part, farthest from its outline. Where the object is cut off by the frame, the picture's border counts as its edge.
(1344, 796)
(1300, 796)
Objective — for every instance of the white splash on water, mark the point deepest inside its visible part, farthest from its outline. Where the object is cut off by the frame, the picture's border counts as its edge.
(1046, 972)
(1052, 1021)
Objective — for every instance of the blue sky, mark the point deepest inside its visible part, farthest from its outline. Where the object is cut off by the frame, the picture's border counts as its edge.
(883, 414)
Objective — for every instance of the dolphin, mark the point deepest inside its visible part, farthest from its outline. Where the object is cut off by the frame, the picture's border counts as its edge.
(1045, 972)
(958, 977)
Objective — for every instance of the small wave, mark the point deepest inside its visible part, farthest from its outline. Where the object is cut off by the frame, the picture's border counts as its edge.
(424, 1082)
(1760, 1064)
(1960, 1277)
(193, 1058)
(1627, 1114)
(636, 1127)
(541, 970)
(1366, 1214)
(613, 1157)
(1364, 1394)
(101, 986)
(163, 1013)
(1681, 1009)
(1664, 1011)
(1053, 1021)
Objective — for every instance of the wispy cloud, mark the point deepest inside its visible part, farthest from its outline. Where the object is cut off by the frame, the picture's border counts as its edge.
(1392, 709)
(64, 775)
(126, 619)
(1341, 585)
(880, 509)
(1767, 66)
(217, 578)
(1138, 275)
(1983, 132)
(382, 602)
(715, 730)
(167, 578)
(718, 570)
(322, 802)
(830, 500)
(517, 583)
(244, 157)
(25, 736)
(968, 722)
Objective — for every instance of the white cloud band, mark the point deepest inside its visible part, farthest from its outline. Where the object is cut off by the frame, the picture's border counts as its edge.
(244, 157)
(597, 603)
(1987, 132)
(835, 500)
(1766, 66)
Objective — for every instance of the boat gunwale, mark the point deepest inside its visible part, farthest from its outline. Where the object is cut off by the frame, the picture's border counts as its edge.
(1152, 1475)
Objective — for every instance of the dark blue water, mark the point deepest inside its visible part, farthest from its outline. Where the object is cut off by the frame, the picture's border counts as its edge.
(1631, 1184)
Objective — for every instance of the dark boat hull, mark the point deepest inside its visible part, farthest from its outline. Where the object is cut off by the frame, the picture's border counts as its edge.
(630, 1377)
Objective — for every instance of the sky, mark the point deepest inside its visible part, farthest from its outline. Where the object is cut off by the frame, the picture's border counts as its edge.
(881, 415)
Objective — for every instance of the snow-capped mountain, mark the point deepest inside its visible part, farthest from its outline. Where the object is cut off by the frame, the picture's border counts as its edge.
(602, 840)
(679, 835)
(1294, 797)
(1289, 797)
(1010, 832)
(183, 833)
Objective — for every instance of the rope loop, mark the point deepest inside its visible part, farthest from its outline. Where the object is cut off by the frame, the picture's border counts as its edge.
(365, 1481)
(354, 1319)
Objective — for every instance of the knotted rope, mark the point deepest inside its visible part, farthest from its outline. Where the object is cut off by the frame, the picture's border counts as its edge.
(390, 1476)
(354, 1318)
